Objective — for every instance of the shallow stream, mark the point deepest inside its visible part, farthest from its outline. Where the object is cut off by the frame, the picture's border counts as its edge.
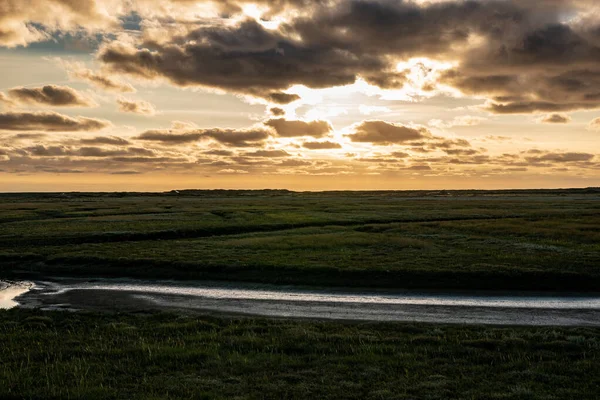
(314, 303)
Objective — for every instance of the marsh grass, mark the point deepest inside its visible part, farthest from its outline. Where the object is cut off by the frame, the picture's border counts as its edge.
(547, 240)
(92, 356)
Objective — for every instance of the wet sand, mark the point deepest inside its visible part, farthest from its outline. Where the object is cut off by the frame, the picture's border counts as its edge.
(315, 303)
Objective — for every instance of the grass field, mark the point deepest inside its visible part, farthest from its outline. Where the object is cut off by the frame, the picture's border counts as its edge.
(90, 356)
(542, 240)
(548, 240)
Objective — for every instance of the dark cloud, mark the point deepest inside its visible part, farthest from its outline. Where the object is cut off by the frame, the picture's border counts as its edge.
(92, 152)
(524, 56)
(420, 168)
(60, 171)
(548, 67)
(384, 133)
(135, 107)
(48, 122)
(560, 157)
(238, 138)
(321, 145)
(97, 79)
(506, 49)
(126, 173)
(111, 140)
(28, 136)
(150, 160)
(294, 163)
(268, 153)
(445, 144)
(283, 98)
(168, 137)
(387, 80)
(244, 59)
(556, 119)
(229, 137)
(461, 152)
(49, 95)
(538, 106)
(287, 128)
(48, 151)
(224, 153)
(273, 7)
(100, 152)
(405, 28)
(276, 111)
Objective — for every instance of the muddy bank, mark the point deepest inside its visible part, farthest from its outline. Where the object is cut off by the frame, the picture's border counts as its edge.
(313, 303)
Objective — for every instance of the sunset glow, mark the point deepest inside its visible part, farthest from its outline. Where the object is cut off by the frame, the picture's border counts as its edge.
(297, 94)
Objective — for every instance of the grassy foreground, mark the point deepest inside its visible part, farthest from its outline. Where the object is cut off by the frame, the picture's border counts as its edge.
(546, 240)
(162, 356)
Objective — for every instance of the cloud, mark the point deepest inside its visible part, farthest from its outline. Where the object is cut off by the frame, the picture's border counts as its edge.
(49, 95)
(246, 58)
(100, 152)
(465, 120)
(97, 79)
(111, 140)
(522, 56)
(268, 153)
(224, 153)
(48, 122)
(527, 57)
(136, 107)
(41, 150)
(540, 64)
(6, 101)
(232, 171)
(277, 112)
(150, 160)
(384, 133)
(555, 119)
(594, 125)
(283, 98)
(529, 107)
(228, 137)
(26, 21)
(421, 167)
(287, 128)
(321, 145)
(168, 137)
(238, 138)
(126, 173)
(560, 157)
(48, 151)
(461, 152)
(28, 136)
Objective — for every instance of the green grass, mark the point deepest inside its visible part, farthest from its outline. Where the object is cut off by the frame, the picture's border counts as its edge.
(91, 356)
(546, 240)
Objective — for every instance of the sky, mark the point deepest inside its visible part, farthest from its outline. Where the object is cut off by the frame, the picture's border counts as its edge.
(153, 95)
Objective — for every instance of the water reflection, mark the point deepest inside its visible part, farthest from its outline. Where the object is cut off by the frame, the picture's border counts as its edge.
(291, 295)
(284, 301)
(9, 291)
